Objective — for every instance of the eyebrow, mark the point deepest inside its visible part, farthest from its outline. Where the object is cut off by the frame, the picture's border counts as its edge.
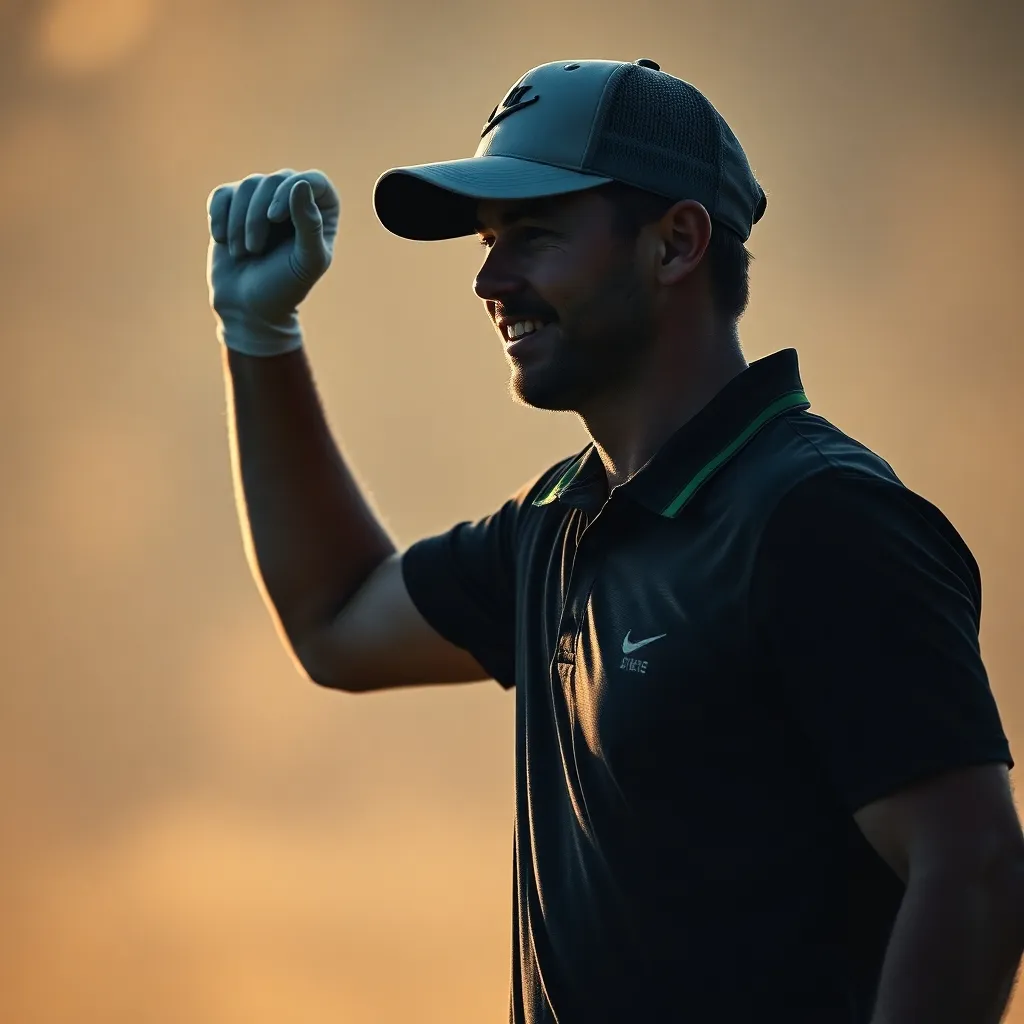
(521, 211)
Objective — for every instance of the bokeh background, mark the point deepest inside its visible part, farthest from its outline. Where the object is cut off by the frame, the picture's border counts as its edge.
(192, 833)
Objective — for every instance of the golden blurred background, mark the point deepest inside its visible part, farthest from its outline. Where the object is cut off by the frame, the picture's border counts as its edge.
(191, 833)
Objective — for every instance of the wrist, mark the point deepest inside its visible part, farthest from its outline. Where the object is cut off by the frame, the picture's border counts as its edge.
(253, 337)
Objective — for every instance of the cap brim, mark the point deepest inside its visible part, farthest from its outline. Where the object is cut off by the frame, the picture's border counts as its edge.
(428, 202)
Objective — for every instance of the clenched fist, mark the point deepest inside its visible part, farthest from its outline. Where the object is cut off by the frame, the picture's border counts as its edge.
(271, 239)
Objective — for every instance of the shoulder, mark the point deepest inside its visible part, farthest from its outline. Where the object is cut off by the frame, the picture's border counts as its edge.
(805, 468)
(802, 445)
(821, 492)
(797, 463)
(845, 524)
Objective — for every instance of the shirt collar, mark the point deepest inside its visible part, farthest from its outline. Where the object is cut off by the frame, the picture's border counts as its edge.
(766, 389)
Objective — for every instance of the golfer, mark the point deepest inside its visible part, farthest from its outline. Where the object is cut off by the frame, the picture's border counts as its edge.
(760, 773)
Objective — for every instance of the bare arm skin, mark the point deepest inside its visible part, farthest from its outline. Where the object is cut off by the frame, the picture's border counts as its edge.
(325, 564)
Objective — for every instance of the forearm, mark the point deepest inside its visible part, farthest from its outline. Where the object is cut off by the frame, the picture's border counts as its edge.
(953, 954)
(310, 534)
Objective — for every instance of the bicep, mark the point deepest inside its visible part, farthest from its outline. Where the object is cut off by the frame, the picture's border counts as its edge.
(955, 821)
(442, 611)
(380, 640)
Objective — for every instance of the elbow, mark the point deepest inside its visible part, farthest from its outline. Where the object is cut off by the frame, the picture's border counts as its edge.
(329, 673)
(340, 684)
(315, 671)
(319, 678)
(329, 680)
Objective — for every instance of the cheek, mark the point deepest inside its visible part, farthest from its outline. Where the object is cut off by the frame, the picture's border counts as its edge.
(614, 301)
(555, 275)
(574, 283)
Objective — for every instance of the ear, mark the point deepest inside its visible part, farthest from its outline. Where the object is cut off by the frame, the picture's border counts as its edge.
(683, 235)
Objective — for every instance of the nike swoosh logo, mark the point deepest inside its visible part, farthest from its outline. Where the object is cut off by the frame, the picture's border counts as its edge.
(629, 648)
(500, 115)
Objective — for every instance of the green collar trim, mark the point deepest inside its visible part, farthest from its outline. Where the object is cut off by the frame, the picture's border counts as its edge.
(563, 481)
(793, 400)
(767, 389)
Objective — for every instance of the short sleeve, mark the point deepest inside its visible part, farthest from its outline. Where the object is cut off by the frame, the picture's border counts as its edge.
(463, 582)
(867, 603)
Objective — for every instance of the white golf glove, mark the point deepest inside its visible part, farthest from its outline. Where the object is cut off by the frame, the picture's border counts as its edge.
(271, 239)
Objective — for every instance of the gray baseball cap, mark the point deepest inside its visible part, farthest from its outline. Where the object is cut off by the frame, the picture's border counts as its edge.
(573, 125)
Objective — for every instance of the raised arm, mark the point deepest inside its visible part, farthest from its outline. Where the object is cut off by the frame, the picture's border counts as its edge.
(325, 564)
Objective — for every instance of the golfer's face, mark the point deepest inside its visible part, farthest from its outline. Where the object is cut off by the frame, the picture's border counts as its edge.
(546, 264)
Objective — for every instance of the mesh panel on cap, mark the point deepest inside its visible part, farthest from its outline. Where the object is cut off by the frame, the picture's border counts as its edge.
(660, 134)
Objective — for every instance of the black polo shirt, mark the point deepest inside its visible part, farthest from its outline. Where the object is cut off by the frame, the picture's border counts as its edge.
(715, 666)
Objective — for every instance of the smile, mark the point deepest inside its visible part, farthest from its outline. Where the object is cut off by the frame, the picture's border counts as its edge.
(534, 339)
(513, 329)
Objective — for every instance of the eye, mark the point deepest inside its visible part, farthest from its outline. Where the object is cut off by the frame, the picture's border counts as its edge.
(521, 234)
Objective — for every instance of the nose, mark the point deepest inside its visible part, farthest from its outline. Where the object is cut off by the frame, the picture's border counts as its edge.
(496, 279)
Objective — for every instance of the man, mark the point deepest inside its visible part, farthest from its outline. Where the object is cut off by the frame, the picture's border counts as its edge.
(760, 774)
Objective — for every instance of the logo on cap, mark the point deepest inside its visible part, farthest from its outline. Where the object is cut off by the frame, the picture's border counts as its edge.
(509, 105)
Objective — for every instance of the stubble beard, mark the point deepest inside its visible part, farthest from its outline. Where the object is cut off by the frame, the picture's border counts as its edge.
(602, 343)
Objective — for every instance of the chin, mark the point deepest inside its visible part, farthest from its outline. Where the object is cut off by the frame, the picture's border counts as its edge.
(541, 391)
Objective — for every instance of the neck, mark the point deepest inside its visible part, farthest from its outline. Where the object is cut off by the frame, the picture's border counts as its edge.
(629, 426)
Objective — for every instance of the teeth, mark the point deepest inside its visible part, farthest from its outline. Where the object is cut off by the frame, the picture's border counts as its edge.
(521, 327)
